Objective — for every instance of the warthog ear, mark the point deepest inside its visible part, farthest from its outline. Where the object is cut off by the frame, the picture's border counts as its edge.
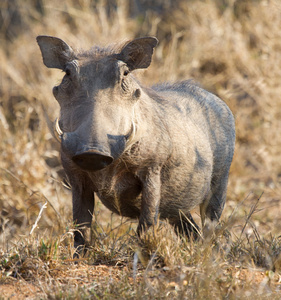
(55, 52)
(137, 53)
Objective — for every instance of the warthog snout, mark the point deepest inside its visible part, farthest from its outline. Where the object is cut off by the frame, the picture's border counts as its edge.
(87, 158)
(92, 160)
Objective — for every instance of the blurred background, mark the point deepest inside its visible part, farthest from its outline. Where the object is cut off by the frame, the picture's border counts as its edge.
(230, 47)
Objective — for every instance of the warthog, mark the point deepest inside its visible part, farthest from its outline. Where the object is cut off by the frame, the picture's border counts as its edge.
(146, 152)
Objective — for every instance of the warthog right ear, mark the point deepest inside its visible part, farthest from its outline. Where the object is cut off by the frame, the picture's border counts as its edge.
(55, 52)
(137, 53)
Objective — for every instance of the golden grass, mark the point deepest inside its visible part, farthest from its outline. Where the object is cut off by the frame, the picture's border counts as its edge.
(231, 48)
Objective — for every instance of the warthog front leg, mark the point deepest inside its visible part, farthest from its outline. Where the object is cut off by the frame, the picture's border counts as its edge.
(83, 203)
(151, 193)
(83, 206)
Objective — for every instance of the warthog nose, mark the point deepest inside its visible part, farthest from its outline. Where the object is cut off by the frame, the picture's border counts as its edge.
(92, 160)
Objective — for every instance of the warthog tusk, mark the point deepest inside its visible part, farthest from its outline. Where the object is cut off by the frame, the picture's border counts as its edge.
(131, 135)
(57, 130)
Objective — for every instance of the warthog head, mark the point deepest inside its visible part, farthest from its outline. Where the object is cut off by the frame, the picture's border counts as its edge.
(97, 97)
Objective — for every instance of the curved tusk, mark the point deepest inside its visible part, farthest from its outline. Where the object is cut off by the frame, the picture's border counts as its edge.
(57, 130)
(131, 135)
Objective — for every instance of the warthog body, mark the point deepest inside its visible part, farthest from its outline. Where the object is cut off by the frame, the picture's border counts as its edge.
(146, 152)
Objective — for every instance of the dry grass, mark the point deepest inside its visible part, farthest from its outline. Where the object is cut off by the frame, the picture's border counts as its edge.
(231, 48)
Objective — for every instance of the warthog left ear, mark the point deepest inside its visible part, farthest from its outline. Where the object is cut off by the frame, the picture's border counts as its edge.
(55, 52)
(137, 53)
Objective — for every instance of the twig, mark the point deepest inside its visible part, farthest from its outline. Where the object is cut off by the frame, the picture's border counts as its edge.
(253, 209)
(38, 218)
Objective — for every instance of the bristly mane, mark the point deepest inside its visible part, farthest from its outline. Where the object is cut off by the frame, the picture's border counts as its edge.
(100, 52)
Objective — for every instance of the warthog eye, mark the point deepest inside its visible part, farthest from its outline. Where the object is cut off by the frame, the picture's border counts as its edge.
(126, 72)
(67, 71)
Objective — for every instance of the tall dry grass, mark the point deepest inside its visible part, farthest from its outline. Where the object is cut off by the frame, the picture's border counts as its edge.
(231, 48)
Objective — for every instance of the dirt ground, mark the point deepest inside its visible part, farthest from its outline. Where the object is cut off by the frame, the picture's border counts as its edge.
(84, 275)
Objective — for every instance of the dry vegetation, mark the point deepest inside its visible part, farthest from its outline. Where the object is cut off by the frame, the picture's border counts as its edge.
(232, 48)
